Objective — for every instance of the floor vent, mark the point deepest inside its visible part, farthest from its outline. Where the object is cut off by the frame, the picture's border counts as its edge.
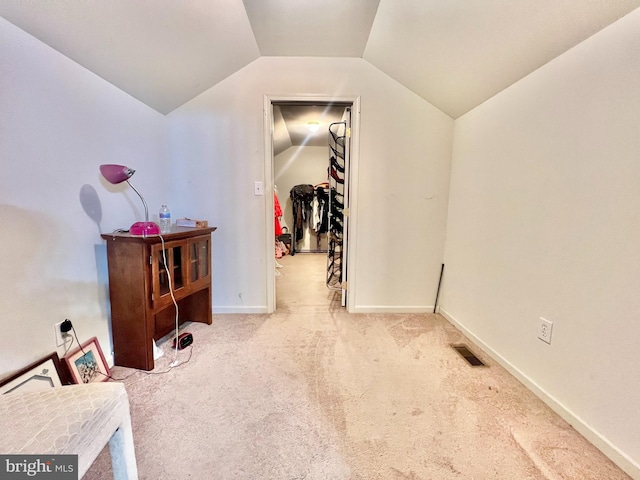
(468, 355)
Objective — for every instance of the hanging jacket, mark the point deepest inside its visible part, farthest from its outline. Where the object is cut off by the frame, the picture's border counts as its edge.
(301, 200)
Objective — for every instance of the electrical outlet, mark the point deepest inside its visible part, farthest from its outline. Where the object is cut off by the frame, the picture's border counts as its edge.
(545, 328)
(59, 335)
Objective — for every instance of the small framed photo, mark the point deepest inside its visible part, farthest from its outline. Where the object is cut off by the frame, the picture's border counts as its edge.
(86, 364)
(41, 375)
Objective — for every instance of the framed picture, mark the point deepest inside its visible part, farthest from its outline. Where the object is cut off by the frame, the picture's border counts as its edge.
(41, 375)
(86, 364)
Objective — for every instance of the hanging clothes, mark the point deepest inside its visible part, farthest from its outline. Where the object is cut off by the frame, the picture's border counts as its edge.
(277, 214)
(302, 202)
(321, 219)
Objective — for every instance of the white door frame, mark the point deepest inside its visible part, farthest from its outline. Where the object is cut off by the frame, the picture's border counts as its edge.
(270, 264)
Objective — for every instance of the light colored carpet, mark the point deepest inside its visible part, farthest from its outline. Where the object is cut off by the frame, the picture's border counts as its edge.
(311, 392)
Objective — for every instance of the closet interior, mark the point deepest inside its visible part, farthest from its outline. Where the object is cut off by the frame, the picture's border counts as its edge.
(310, 167)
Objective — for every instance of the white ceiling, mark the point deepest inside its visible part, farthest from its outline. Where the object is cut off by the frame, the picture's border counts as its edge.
(308, 28)
(453, 53)
(291, 124)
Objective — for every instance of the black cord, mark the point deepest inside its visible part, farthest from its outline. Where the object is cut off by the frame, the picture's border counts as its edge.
(76, 336)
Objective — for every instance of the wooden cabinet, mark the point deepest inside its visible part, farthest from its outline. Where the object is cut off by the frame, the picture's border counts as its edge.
(143, 275)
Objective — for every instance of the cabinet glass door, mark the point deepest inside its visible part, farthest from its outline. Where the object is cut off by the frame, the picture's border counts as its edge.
(167, 270)
(199, 256)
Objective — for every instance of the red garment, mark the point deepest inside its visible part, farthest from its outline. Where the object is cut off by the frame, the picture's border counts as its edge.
(278, 214)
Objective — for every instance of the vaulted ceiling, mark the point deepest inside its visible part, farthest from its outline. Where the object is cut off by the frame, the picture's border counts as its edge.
(453, 53)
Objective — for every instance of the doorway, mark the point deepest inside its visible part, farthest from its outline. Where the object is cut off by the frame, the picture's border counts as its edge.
(297, 157)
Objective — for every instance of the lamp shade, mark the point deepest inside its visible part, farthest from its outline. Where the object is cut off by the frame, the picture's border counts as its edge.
(116, 173)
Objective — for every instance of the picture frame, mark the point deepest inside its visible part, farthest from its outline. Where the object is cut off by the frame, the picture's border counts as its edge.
(86, 364)
(40, 375)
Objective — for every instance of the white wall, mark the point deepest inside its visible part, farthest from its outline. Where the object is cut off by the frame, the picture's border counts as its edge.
(405, 147)
(299, 165)
(543, 218)
(544, 221)
(58, 123)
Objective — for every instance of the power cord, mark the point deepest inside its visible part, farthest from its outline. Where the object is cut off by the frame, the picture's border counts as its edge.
(175, 362)
(156, 373)
(69, 326)
(65, 327)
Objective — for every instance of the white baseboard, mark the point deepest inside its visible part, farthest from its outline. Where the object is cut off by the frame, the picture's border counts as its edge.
(357, 309)
(618, 457)
(240, 309)
(392, 309)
